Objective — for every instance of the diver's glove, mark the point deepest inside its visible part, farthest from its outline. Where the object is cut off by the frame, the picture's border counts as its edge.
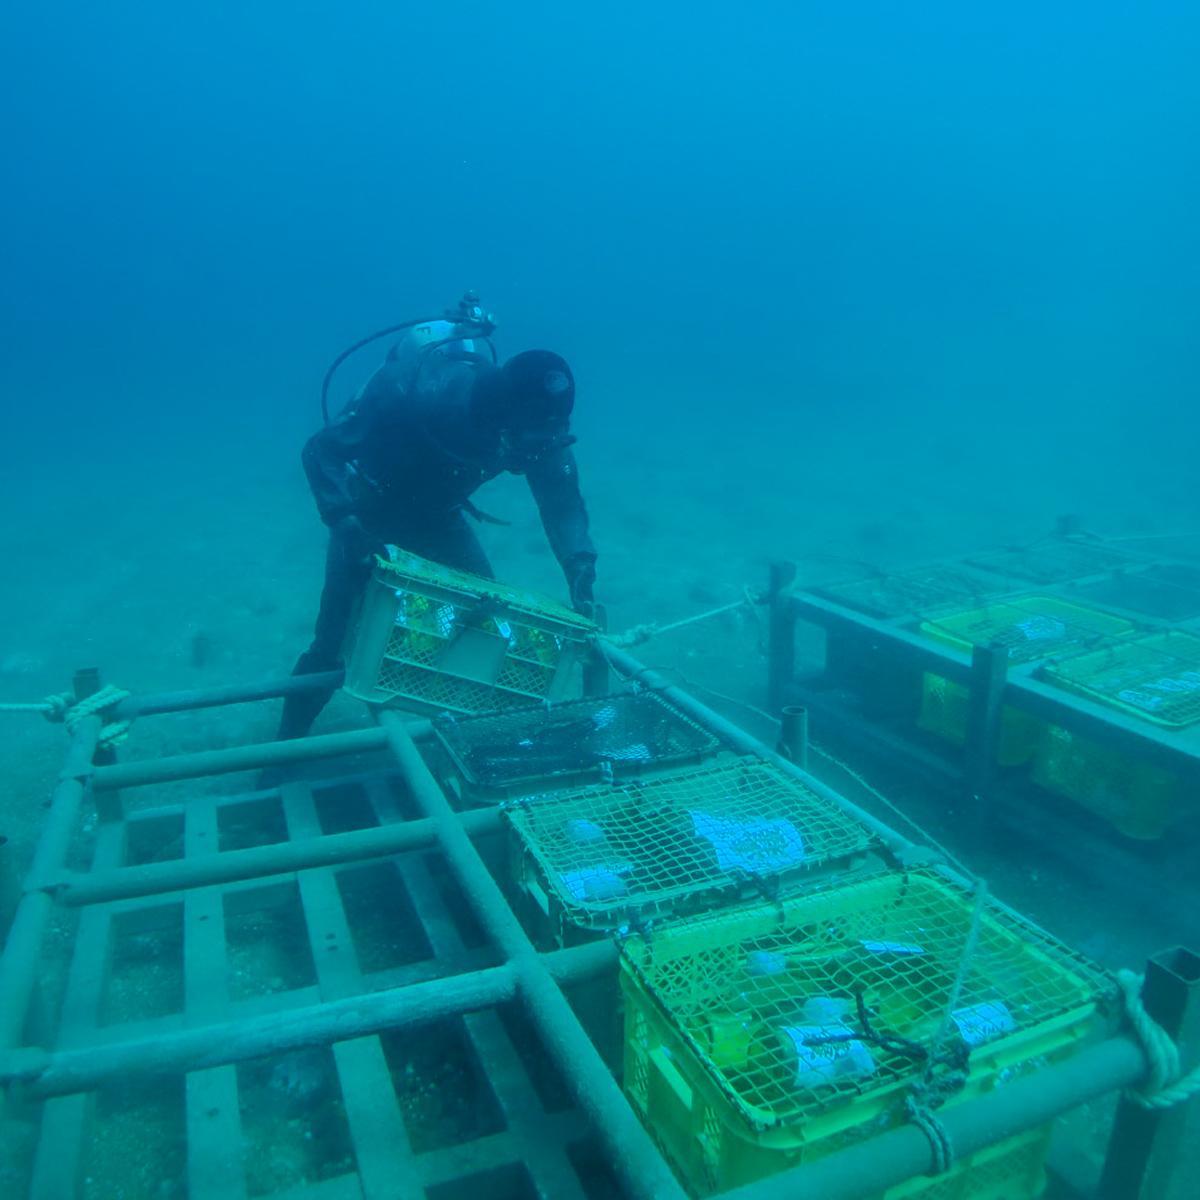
(580, 570)
(357, 546)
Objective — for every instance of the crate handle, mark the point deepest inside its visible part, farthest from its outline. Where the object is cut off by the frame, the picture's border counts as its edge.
(660, 1059)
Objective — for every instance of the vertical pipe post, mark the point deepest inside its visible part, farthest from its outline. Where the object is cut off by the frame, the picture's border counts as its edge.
(793, 735)
(989, 667)
(87, 682)
(781, 635)
(1145, 1143)
(597, 679)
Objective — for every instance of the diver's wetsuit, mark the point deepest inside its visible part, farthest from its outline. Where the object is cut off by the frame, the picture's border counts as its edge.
(405, 462)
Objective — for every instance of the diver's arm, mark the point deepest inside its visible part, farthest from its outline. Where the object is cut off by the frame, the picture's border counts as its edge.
(327, 456)
(554, 482)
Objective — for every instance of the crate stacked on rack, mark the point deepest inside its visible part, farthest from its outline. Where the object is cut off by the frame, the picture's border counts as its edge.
(1154, 678)
(629, 854)
(1028, 628)
(433, 639)
(498, 755)
(770, 1035)
(783, 987)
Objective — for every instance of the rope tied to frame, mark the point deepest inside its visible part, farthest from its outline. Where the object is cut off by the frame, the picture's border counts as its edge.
(62, 708)
(936, 1086)
(1167, 1086)
(638, 635)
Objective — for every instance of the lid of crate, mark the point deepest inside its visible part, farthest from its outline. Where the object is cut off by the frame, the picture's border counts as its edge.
(412, 571)
(1029, 627)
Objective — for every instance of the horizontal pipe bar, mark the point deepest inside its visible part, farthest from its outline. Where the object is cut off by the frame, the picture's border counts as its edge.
(1034, 696)
(40, 1074)
(631, 1151)
(65, 1072)
(238, 693)
(148, 879)
(236, 758)
(869, 1168)
(628, 666)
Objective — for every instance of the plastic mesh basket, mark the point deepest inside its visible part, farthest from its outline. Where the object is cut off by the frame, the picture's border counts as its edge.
(1156, 678)
(1029, 628)
(1054, 561)
(533, 749)
(608, 855)
(920, 592)
(435, 639)
(764, 1035)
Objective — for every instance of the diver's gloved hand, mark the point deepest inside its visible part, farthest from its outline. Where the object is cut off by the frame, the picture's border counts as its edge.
(357, 546)
(581, 581)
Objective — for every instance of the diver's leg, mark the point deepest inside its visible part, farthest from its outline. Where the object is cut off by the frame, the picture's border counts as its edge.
(344, 581)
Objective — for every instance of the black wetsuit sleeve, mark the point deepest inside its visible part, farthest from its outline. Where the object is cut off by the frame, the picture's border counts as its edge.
(554, 482)
(328, 454)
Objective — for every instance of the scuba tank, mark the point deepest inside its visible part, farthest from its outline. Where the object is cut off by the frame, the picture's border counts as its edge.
(462, 334)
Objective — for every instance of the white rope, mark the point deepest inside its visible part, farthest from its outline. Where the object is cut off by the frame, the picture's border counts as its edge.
(637, 635)
(1166, 1087)
(63, 707)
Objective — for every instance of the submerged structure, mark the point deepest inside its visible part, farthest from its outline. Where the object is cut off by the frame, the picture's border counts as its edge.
(579, 939)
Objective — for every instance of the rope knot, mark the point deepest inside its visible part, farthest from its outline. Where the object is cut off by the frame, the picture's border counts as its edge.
(1166, 1085)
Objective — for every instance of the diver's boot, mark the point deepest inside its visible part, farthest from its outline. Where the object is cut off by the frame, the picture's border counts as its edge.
(300, 710)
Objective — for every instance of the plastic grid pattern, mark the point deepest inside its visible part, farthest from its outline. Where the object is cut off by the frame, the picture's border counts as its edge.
(742, 988)
(651, 846)
(1156, 678)
(445, 640)
(440, 691)
(531, 749)
(1030, 628)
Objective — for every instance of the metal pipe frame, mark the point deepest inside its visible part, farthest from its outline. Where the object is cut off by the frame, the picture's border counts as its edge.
(207, 1045)
(1020, 688)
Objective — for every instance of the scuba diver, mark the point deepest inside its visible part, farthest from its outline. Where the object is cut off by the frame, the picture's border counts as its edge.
(398, 466)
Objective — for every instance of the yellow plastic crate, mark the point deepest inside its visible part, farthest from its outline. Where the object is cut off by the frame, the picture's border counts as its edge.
(1138, 799)
(605, 856)
(725, 1014)
(1030, 627)
(1155, 678)
(433, 639)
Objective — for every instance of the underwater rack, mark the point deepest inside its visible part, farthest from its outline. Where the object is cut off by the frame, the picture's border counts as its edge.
(52, 1066)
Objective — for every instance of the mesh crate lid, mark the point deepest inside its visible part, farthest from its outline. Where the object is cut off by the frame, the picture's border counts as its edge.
(794, 1009)
(1156, 678)
(1054, 561)
(646, 847)
(1029, 627)
(921, 591)
(409, 571)
(541, 743)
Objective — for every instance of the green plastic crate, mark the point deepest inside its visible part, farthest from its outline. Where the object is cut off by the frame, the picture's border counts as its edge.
(433, 639)
(1029, 627)
(1139, 799)
(722, 1061)
(1155, 678)
(604, 857)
